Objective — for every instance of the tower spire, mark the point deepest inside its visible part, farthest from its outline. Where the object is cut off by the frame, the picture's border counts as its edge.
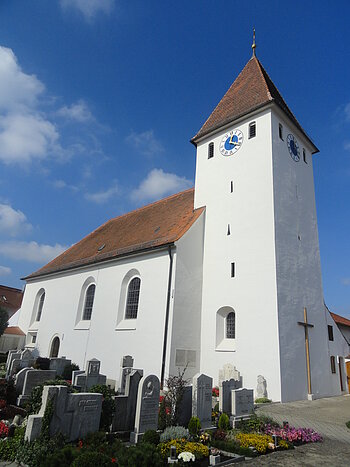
(253, 45)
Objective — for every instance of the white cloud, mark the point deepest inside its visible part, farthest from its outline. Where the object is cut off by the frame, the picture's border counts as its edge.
(103, 196)
(347, 145)
(89, 8)
(60, 184)
(4, 271)
(78, 111)
(30, 251)
(25, 133)
(13, 222)
(347, 111)
(158, 184)
(145, 142)
(346, 281)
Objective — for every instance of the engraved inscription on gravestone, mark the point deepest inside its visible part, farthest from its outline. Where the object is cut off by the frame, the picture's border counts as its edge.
(147, 406)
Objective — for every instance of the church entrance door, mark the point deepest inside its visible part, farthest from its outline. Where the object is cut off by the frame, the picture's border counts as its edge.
(55, 347)
(348, 373)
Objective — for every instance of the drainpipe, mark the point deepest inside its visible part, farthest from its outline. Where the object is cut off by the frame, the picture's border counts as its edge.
(167, 315)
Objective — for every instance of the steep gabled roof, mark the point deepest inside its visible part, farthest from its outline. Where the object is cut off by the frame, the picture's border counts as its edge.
(158, 224)
(251, 90)
(14, 330)
(10, 298)
(340, 319)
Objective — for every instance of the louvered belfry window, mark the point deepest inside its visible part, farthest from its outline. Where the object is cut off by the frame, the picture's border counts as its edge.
(252, 130)
(132, 302)
(210, 150)
(230, 325)
(89, 302)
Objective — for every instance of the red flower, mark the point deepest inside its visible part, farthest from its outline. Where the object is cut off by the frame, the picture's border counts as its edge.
(114, 460)
(2, 403)
(80, 444)
(161, 398)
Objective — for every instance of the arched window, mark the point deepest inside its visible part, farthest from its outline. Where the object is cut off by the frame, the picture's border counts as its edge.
(55, 347)
(40, 306)
(89, 302)
(230, 325)
(132, 301)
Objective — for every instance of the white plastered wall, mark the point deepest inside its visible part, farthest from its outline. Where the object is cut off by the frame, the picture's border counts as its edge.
(102, 338)
(299, 280)
(252, 292)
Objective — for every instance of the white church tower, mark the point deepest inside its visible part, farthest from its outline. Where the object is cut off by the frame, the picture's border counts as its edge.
(261, 264)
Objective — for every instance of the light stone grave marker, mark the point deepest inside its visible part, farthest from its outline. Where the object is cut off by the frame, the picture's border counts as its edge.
(227, 373)
(261, 390)
(201, 399)
(125, 405)
(19, 379)
(33, 378)
(74, 415)
(147, 407)
(90, 377)
(17, 362)
(242, 405)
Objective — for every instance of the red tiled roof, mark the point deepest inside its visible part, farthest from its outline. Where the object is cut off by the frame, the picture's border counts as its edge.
(10, 298)
(15, 330)
(252, 89)
(340, 319)
(155, 225)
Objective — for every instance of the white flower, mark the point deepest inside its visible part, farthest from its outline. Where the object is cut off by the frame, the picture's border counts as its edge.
(186, 456)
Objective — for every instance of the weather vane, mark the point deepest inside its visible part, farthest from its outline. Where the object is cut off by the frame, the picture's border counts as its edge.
(254, 45)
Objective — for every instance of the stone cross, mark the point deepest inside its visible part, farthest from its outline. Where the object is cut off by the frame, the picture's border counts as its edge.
(306, 326)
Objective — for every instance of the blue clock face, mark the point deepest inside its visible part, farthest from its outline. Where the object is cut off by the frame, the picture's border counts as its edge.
(231, 142)
(293, 148)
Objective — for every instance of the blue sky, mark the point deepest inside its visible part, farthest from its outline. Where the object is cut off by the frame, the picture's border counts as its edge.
(99, 99)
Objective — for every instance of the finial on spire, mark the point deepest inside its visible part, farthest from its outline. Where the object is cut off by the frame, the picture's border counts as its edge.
(253, 45)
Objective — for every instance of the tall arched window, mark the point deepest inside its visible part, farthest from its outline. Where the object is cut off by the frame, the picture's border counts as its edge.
(132, 301)
(55, 347)
(40, 306)
(89, 302)
(230, 325)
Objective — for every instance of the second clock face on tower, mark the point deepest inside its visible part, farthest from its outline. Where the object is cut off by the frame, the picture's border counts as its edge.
(231, 142)
(293, 148)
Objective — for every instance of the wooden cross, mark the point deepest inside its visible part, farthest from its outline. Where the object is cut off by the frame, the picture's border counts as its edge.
(306, 329)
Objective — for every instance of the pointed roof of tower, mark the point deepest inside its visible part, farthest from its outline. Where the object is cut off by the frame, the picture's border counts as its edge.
(252, 90)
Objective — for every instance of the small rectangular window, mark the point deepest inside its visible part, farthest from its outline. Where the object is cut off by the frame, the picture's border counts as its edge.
(330, 333)
(252, 130)
(280, 130)
(304, 156)
(210, 150)
(228, 229)
(333, 365)
(231, 186)
(34, 339)
(232, 269)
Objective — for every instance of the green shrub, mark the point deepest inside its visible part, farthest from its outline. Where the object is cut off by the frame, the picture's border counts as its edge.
(68, 369)
(232, 446)
(194, 426)
(151, 437)
(255, 424)
(108, 405)
(348, 424)
(174, 432)
(92, 459)
(141, 455)
(262, 400)
(34, 403)
(224, 422)
(62, 458)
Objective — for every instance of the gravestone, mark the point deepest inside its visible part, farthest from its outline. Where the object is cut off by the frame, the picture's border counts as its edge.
(226, 388)
(126, 366)
(261, 390)
(242, 401)
(19, 360)
(19, 379)
(125, 405)
(185, 407)
(59, 364)
(33, 378)
(11, 356)
(74, 415)
(201, 399)
(227, 373)
(90, 377)
(147, 407)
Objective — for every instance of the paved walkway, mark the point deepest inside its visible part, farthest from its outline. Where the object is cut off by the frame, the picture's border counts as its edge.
(326, 416)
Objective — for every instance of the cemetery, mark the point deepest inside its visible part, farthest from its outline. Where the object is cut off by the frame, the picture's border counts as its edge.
(52, 413)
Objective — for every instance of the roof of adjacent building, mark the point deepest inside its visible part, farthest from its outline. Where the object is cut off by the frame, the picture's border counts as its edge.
(14, 330)
(252, 89)
(152, 226)
(10, 298)
(340, 319)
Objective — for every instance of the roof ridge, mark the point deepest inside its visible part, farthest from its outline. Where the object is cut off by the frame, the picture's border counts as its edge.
(261, 68)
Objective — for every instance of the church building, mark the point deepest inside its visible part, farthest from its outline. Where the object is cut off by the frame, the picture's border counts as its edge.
(226, 272)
